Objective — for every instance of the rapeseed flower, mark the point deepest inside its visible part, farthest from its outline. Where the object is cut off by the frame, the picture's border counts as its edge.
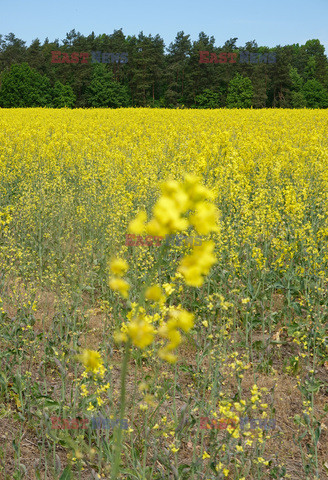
(172, 189)
(120, 285)
(91, 360)
(182, 319)
(169, 357)
(155, 294)
(118, 267)
(169, 288)
(167, 218)
(193, 267)
(141, 333)
(205, 220)
(138, 225)
(195, 191)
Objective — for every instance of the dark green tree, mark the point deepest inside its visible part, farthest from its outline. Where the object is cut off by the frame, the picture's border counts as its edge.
(201, 75)
(315, 94)
(296, 79)
(297, 97)
(13, 51)
(259, 80)
(240, 92)
(146, 69)
(104, 91)
(177, 69)
(280, 81)
(313, 48)
(298, 100)
(34, 56)
(310, 68)
(23, 86)
(63, 96)
(208, 99)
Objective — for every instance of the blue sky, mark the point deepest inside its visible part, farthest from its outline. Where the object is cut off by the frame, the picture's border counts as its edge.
(281, 22)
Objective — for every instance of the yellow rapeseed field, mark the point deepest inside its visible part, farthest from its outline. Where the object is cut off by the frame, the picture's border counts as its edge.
(250, 301)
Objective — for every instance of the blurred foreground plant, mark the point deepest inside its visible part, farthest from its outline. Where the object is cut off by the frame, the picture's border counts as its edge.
(182, 205)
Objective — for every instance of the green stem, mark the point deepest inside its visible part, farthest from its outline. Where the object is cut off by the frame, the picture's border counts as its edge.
(118, 432)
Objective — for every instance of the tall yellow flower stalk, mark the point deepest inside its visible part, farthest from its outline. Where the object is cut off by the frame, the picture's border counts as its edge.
(182, 205)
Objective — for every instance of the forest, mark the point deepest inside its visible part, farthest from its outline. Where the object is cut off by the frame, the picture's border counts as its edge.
(158, 76)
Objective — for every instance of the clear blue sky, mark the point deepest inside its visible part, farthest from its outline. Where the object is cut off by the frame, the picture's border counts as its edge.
(280, 22)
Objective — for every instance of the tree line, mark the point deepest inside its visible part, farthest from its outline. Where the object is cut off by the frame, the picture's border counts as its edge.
(157, 76)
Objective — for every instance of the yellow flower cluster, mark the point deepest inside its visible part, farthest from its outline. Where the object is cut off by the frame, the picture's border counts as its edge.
(119, 267)
(178, 319)
(155, 294)
(177, 199)
(194, 266)
(169, 215)
(141, 332)
(91, 360)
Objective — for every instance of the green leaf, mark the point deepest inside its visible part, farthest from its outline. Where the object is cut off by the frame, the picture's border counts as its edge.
(306, 418)
(66, 475)
(48, 402)
(317, 434)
